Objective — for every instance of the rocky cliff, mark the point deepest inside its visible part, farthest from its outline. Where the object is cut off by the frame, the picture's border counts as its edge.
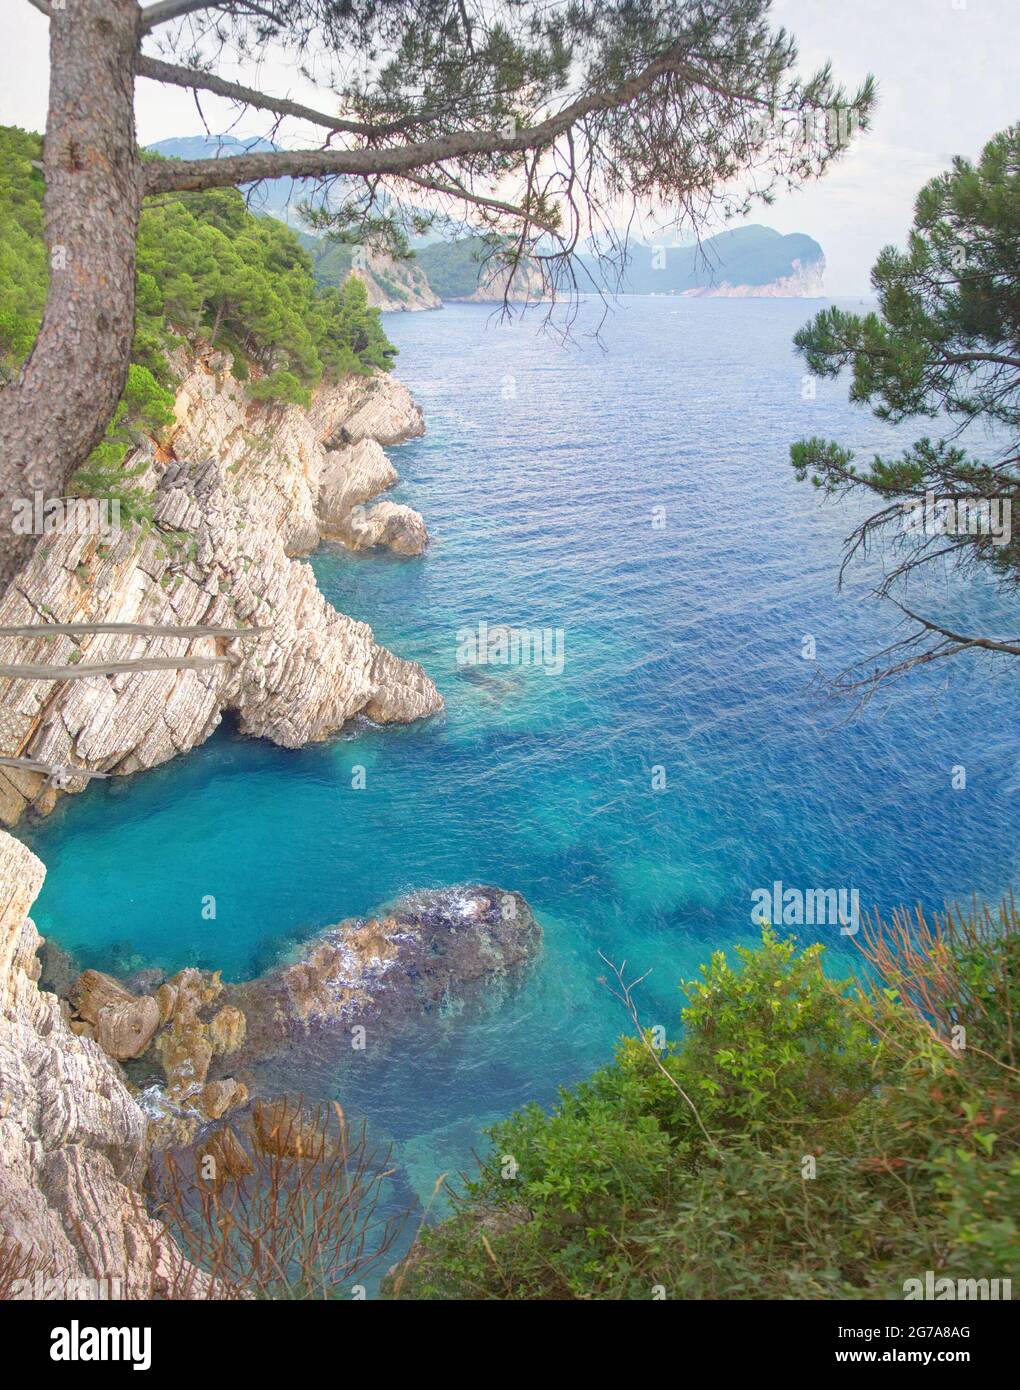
(805, 281)
(241, 490)
(524, 285)
(396, 286)
(73, 1147)
(392, 285)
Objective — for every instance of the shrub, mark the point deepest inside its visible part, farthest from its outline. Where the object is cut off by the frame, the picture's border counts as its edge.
(844, 1140)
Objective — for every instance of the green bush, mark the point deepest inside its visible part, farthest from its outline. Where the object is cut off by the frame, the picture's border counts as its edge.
(842, 1142)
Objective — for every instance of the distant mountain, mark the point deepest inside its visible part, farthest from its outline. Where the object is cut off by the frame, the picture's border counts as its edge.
(746, 261)
(749, 261)
(459, 270)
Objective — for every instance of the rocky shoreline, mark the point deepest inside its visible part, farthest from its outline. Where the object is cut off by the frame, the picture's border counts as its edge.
(187, 1041)
(73, 1141)
(95, 1071)
(241, 490)
(77, 1130)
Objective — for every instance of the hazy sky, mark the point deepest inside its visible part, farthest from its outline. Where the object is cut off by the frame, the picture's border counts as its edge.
(947, 73)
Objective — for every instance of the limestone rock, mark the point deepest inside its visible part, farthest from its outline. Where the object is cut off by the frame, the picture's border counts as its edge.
(126, 1029)
(166, 1002)
(185, 1053)
(354, 475)
(395, 286)
(194, 990)
(93, 992)
(263, 484)
(390, 524)
(387, 415)
(217, 1097)
(72, 1140)
(227, 1030)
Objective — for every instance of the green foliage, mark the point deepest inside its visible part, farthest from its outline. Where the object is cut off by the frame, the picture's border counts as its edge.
(146, 407)
(455, 268)
(944, 344)
(23, 274)
(914, 1145)
(353, 339)
(206, 268)
(762, 1039)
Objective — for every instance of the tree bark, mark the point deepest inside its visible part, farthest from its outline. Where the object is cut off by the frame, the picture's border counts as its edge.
(56, 411)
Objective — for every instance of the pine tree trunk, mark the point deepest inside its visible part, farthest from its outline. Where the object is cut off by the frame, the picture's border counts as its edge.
(57, 409)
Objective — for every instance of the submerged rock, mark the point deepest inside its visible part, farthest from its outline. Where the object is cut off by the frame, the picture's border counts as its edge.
(433, 951)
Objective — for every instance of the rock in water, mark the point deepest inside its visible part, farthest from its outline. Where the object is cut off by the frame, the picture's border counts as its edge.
(93, 991)
(226, 1030)
(125, 1030)
(122, 1023)
(433, 950)
(388, 524)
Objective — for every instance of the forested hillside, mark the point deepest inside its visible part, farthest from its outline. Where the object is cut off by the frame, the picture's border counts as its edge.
(207, 268)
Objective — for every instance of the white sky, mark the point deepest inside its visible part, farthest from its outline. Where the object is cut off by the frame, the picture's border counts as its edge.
(948, 79)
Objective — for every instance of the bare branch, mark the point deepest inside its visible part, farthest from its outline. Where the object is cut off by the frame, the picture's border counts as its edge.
(625, 994)
(862, 679)
(168, 10)
(194, 175)
(194, 79)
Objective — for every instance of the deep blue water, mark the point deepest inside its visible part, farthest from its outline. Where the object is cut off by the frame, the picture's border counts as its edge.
(539, 478)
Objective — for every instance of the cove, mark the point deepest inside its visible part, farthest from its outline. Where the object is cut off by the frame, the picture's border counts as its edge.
(540, 477)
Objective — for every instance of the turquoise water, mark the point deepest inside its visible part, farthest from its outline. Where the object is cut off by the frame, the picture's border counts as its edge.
(539, 478)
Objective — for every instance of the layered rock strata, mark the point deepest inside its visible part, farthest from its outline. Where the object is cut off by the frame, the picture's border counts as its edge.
(73, 1147)
(240, 492)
